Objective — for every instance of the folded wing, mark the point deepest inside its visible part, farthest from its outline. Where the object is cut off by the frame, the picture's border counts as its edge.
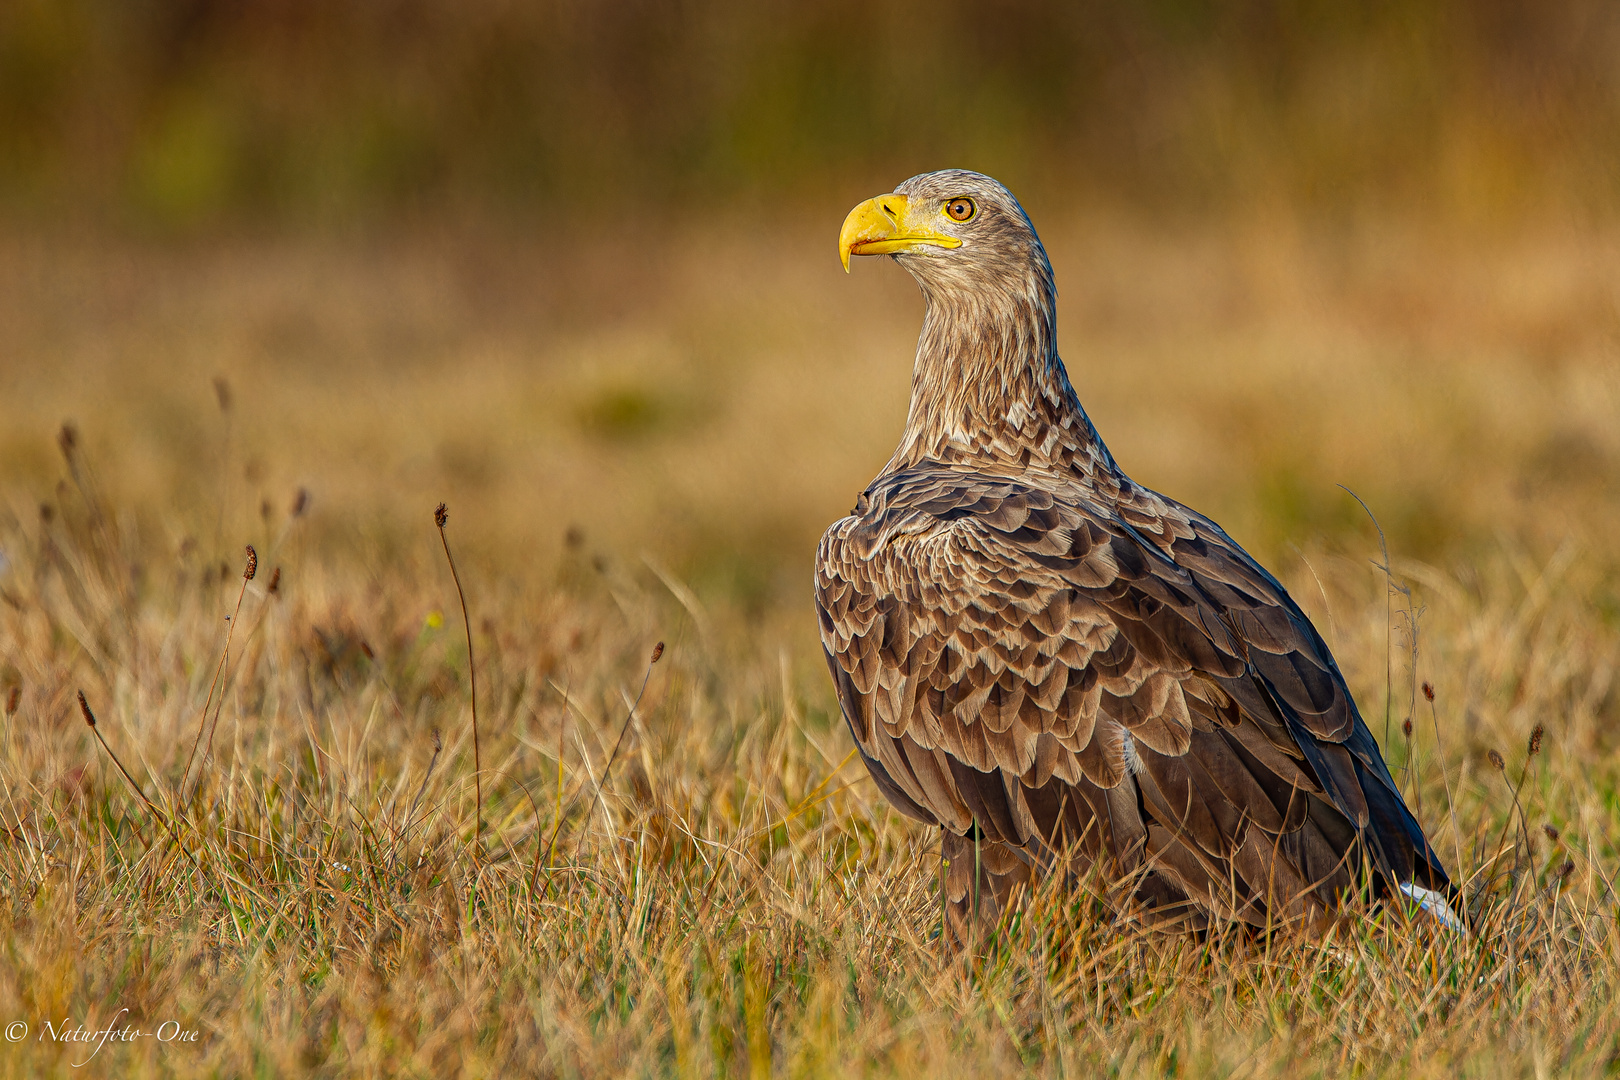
(1126, 688)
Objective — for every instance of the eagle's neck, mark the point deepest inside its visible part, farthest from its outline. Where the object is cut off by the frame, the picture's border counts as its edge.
(988, 388)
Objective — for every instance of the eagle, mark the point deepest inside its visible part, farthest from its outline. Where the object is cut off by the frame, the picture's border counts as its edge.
(1067, 672)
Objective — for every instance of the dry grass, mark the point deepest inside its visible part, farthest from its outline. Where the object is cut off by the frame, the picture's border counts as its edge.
(732, 897)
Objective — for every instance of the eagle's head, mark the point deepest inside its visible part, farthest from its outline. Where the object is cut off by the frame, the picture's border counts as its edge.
(956, 232)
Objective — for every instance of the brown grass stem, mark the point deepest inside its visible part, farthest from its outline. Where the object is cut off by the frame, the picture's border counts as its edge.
(90, 719)
(160, 819)
(441, 515)
(249, 569)
(1390, 589)
(658, 651)
(600, 785)
(410, 815)
(1517, 812)
(1445, 777)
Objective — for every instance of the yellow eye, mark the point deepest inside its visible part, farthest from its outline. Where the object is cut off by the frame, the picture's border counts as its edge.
(960, 209)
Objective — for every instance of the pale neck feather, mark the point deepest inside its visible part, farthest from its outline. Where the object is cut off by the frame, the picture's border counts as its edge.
(988, 387)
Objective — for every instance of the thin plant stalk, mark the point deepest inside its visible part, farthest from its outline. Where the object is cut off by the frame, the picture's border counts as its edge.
(441, 514)
(248, 571)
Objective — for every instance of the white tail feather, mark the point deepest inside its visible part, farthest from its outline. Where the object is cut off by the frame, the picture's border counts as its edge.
(1434, 904)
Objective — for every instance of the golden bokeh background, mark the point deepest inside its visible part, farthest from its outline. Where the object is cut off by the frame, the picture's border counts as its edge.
(572, 264)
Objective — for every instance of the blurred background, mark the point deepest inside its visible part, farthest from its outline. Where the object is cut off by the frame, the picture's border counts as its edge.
(174, 116)
(571, 267)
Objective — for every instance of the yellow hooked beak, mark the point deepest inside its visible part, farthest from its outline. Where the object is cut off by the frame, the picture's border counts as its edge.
(882, 226)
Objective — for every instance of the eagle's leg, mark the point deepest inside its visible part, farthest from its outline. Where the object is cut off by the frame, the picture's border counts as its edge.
(1001, 871)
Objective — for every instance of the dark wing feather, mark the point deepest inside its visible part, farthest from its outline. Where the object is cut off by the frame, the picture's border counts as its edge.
(1125, 684)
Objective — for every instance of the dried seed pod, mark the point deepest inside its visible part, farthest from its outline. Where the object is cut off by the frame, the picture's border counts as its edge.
(658, 650)
(1496, 761)
(1535, 740)
(441, 514)
(1406, 727)
(252, 564)
(84, 707)
(1551, 831)
(1428, 690)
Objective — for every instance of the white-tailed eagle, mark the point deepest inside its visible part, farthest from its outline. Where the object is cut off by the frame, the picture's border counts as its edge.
(1066, 671)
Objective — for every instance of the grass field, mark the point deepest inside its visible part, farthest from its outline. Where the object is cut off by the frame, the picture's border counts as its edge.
(639, 439)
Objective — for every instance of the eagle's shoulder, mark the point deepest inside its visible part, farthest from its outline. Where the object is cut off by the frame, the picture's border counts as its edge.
(1013, 623)
(1029, 624)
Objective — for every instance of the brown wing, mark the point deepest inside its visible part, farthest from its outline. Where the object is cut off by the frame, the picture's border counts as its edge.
(1132, 685)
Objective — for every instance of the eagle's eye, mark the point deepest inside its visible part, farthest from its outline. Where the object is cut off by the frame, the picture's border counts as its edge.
(960, 209)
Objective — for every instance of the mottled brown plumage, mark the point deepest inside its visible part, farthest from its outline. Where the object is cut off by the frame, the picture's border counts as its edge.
(1062, 669)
